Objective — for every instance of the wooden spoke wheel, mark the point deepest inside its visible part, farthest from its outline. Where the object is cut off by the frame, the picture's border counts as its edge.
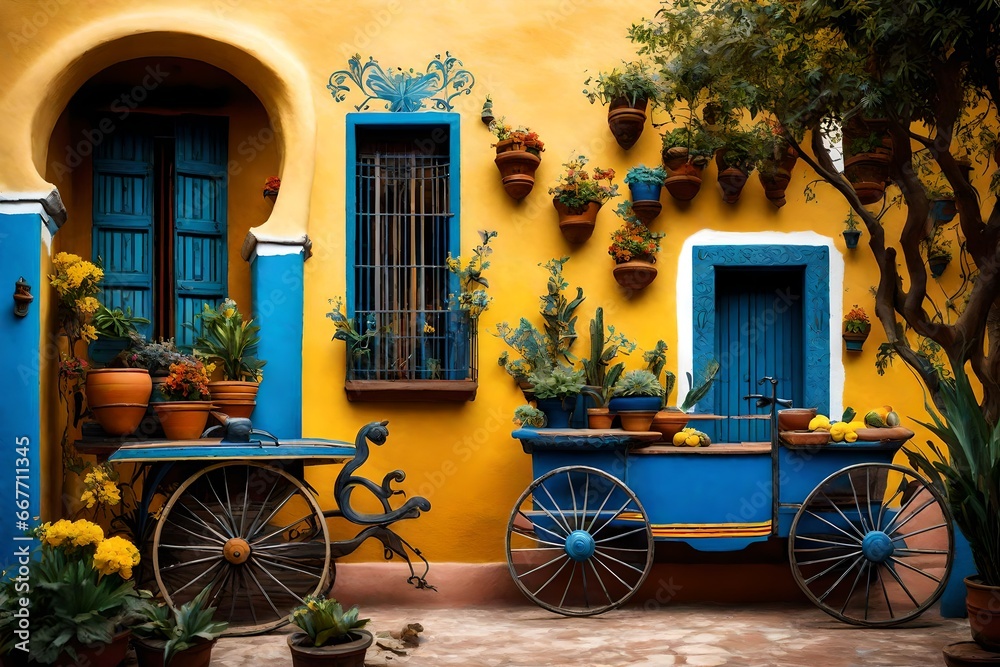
(252, 532)
(579, 542)
(872, 545)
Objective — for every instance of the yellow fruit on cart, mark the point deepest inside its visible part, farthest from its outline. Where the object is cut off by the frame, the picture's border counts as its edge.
(851, 436)
(819, 423)
(693, 441)
(679, 438)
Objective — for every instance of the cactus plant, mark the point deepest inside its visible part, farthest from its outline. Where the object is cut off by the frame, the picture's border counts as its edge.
(603, 348)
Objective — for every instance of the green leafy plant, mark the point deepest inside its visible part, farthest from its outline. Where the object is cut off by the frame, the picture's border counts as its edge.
(80, 589)
(656, 362)
(647, 175)
(638, 383)
(856, 320)
(325, 621)
(472, 296)
(739, 149)
(969, 469)
(182, 628)
(561, 383)
(851, 222)
(358, 344)
(938, 190)
(696, 393)
(156, 356)
(867, 143)
(527, 415)
(576, 188)
(226, 338)
(692, 142)
(115, 322)
(632, 82)
(605, 345)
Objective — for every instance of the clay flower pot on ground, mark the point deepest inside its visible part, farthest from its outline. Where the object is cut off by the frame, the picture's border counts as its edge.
(857, 326)
(225, 340)
(645, 184)
(983, 604)
(627, 92)
(178, 637)
(330, 636)
(518, 156)
(634, 248)
(578, 196)
(184, 412)
(117, 397)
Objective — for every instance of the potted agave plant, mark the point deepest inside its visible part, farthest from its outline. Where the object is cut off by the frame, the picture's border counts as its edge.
(226, 340)
(627, 93)
(556, 390)
(182, 636)
(637, 397)
(329, 636)
(183, 412)
(578, 197)
(634, 249)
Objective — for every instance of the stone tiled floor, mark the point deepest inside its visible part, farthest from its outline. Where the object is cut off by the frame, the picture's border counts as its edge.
(705, 635)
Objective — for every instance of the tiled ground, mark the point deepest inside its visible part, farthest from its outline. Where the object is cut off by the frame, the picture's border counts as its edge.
(734, 636)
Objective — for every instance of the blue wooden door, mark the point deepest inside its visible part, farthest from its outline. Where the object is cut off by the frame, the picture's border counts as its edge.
(200, 193)
(122, 231)
(759, 332)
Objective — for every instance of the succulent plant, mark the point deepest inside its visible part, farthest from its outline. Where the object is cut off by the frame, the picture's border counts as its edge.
(527, 415)
(638, 383)
(558, 383)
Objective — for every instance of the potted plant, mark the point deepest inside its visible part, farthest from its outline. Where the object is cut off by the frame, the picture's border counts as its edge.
(600, 375)
(225, 339)
(556, 390)
(857, 326)
(671, 419)
(627, 93)
(942, 199)
(938, 252)
(736, 159)
(329, 636)
(644, 185)
(487, 113)
(529, 416)
(183, 412)
(775, 160)
(114, 328)
(686, 151)
(578, 197)
(852, 234)
(187, 634)
(969, 472)
(634, 249)
(637, 397)
(271, 186)
(867, 149)
(518, 156)
(81, 596)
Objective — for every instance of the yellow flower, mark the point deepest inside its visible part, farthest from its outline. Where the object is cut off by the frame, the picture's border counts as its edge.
(87, 304)
(116, 554)
(70, 533)
(88, 497)
(428, 329)
(228, 312)
(88, 333)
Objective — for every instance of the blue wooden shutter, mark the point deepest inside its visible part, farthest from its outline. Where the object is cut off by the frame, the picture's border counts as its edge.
(759, 332)
(200, 218)
(123, 221)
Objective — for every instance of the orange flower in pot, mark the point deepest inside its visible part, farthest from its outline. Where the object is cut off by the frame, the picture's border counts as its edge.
(634, 249)
(186, 401)
(578, 196)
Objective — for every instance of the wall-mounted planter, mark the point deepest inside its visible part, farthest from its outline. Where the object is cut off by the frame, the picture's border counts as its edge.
(868, 174)
(775, 175)
(646, 201)
(636, 273)
(684, 182)
(943, 210)
(517, 171)
(577, 224)
(731, 181)
(855, 341)
(627, 120)
(851, 237)
(937, 264)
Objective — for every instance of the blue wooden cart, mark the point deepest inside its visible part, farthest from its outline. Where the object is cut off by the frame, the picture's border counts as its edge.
(869, 542)
(236, 513)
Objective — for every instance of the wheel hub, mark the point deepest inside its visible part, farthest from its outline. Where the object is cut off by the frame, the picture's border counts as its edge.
(580, 545)
(236, 550)
(877, 547)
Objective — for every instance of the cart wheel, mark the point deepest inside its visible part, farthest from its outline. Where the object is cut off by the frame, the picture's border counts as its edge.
(872, 545)
(254, 533)
(579, 542)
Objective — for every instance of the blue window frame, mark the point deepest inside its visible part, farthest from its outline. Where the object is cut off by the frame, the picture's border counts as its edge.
(403, 219)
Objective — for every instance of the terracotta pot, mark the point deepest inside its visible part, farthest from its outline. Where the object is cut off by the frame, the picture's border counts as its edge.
(868, 174)
(775, 183)
(149, 653)
(509, 145)
(118, 397)
(517, 171)
(674, 158)
(351, 654)
(234, 398)
(247, 389)
(795, 419)
(646, 210)
(731, 181)
(577, 224)
(627, 121)
(637, 420)
(983, 603)
(669, 423)
(684, 182)
(183, 420)
(855, 341)
(599, 418)
(98, 655)
(635, 274)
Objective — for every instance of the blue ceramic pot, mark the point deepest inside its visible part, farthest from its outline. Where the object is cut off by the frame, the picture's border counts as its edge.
(635, 403)
(557, 412)
(644, 191)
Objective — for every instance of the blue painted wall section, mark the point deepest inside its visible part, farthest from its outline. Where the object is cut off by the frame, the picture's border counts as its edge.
(815, 261)
(276, 290)
(20, 255)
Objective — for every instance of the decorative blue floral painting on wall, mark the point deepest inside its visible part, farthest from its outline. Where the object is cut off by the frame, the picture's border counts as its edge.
(404, 90)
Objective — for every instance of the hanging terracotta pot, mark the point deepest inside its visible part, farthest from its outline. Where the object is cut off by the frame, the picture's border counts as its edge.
(775, 183)
(627, 120)
(855, 341)
(731, 181)
(183, 420)
(517, 170)
(684, 181)
(868, 174)
(117, 397)
(577, 224)
(636, 273)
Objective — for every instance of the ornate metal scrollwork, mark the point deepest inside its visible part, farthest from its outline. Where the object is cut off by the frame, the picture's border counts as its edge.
(404, 90)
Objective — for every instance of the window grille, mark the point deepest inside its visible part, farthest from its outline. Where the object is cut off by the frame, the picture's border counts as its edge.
(401, 280)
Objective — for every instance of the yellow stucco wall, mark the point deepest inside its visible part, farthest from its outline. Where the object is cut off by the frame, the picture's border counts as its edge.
(532, 57)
